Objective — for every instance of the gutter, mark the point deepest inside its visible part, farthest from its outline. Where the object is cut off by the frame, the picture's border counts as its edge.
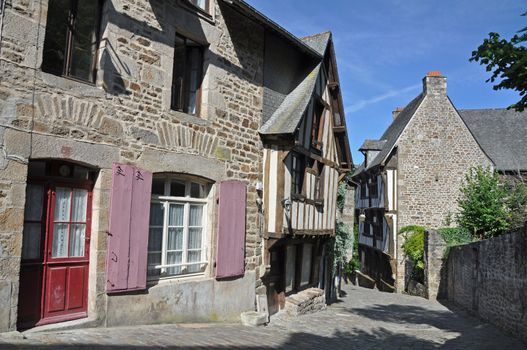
(256, 15)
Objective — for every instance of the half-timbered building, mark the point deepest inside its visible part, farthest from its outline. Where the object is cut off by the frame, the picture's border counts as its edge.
(132, 162)
(412, 175)
(305, 154)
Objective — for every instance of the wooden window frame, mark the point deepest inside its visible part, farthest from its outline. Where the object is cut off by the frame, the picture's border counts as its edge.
(166, 200)
(298, 174)
(181, 103)
(67, 66)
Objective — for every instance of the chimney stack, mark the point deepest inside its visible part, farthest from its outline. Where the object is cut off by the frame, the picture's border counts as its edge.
(434, 83)
(396, 112)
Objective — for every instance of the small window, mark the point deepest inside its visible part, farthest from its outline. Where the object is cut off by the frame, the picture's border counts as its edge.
(297, 173)
(373, 187)
(177, 242)
(316, 130)
(202, 4)
(187, 76)
(363, 189)
(319, 183)
(71, 40)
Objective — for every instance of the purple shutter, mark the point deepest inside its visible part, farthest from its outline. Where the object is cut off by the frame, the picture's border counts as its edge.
(119, 231)
(139, 222)
(230, 255)
(128, 228)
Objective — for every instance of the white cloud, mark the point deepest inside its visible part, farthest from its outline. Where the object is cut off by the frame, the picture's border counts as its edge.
(392, 93)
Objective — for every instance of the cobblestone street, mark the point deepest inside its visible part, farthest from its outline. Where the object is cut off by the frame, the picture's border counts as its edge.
(364, 319)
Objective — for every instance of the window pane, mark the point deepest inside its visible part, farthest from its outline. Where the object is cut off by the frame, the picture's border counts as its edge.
(62, 204)
(80, 172)
(84, 40)
(154, 259)
(158, 186)
(156, 214)
(60, 241)
(155, 238)
(196, 212)
(307, 251)
(194, 61)
(34, 202)
(80, 200)
(290, 267)
(77, 234)
(178, 74)
(176, 215)
(174, 258)
(31, 241)
(194, 238)
(175, 238)
(197, 190)
(194, 256)
(177, 189)
(55, 41)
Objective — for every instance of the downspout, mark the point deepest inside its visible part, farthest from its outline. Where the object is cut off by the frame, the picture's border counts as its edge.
(2, 11)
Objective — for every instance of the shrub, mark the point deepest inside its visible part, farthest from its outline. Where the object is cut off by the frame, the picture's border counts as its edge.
(484, 209)
(414, 249)
(455, 235)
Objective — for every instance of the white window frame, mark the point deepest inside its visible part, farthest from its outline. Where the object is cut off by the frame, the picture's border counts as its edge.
(186, 201)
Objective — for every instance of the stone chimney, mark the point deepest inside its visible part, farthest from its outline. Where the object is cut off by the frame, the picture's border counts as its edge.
(396, 112)
(434, 83)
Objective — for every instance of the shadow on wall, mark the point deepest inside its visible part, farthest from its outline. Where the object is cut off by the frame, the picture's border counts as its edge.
(162, 29)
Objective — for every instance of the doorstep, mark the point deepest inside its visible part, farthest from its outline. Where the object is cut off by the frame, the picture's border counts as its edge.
(87, 322)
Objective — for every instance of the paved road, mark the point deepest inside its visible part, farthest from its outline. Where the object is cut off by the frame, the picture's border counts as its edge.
(364, 319)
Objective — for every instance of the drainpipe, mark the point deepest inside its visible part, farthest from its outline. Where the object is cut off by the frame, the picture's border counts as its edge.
(2, 12)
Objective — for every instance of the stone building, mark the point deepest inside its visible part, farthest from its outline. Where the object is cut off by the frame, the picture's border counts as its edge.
(131, 160)
(413, 173)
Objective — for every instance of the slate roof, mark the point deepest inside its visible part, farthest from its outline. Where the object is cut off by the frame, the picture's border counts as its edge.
(395, 129)
(502, 134)
(256, 15)
(372, 145)
(287, 117)
(318, 42)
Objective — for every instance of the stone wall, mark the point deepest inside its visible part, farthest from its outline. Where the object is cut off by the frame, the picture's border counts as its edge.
(126, 117)
(435, 250)
(489, 279)
(435, 151)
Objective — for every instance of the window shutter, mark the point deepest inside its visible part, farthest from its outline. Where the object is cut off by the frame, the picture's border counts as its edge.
(230, 255)
(128, 232)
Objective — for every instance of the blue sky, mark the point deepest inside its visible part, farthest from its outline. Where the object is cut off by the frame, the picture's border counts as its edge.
(385, 47)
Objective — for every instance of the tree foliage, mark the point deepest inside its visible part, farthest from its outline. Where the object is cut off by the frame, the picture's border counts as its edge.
(414, 249)
(483, 204)
(507, 60)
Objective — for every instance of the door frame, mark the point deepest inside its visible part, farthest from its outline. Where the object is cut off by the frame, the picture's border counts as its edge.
(50, 184)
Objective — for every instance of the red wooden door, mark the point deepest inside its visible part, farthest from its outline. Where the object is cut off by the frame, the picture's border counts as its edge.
(54, 284)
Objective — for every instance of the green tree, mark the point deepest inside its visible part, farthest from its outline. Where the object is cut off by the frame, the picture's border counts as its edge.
(507, 60)
(484, 206)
